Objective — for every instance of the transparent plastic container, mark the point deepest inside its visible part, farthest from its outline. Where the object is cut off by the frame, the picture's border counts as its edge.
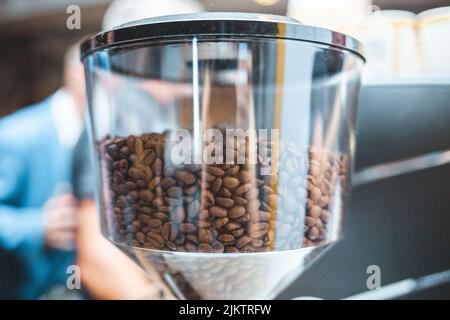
(224, 147)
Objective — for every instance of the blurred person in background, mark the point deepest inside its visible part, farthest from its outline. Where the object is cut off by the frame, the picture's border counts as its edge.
(107, 273)
(37, 210)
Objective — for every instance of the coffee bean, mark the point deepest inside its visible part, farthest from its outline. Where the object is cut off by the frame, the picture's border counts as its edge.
(265, 207)
(240, 201)
(169, 172)
(216, 171)
(253, 206)
(257, 230)
(324, 216)
(262, 216)
(232, 226)
(187, 227)
(207, 199)
(144, 173)
(219, 223)
(120, 189)
(193, 208)
(154, 223)
(122, 166)
(146, 195)
(157, 167)
(226, 239)
(131, 140)
(140, 237)
(161, 216)
(194, 168)
(190, 190)
(143, 211)
(177, 215)
(138, 146)
(185, 176)
(180, 239)
(315, 211)
(190, 247)
(323, 201)
(192, 238)
(238, 232)
(174, 192)
(203, 215)
(243, 189)
(233, 170)
(230, 182)
(147, 157)
(215, 185)
(217, 247)
(150, 144)
(256, 243)
(224, 192)
(159, 149)
(169, 231)
(131, 185)
(155, 239)
(225, 202)
(154, 183)
(244, 176)
(237, 212)
(218, 212)
(205, 235)
(165, 209)
(170, 245)
(167, 182)
(248, 249)
(204, 247)
(151, 246)
(316, 194)
(313, 233)
(245, 218)
(187, 199)
(158, 202)
(133, 173)
(173, 202)
(231, 249)
(252, 194)
(121, 202)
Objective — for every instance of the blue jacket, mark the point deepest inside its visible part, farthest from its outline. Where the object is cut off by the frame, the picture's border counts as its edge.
(32, 164)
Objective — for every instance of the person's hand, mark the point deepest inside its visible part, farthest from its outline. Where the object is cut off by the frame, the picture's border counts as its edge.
(60, 217)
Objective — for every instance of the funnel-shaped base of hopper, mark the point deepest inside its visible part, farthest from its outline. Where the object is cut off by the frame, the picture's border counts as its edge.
(229, 275)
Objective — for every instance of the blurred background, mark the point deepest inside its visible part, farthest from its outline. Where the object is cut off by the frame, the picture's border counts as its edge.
(34, 35)
(400, 209)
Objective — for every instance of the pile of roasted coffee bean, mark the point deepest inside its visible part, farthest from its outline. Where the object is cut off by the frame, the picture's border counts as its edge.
(219, 207)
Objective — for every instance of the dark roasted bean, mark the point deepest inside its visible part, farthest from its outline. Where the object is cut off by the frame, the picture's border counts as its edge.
(237, 212)
(225, 202)
(230, 182)
(187, 227)
(185, 176)
(216, 171)
(205, 235)
(174, 192)
(218, 212)
(204, 247)
(226, 239)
